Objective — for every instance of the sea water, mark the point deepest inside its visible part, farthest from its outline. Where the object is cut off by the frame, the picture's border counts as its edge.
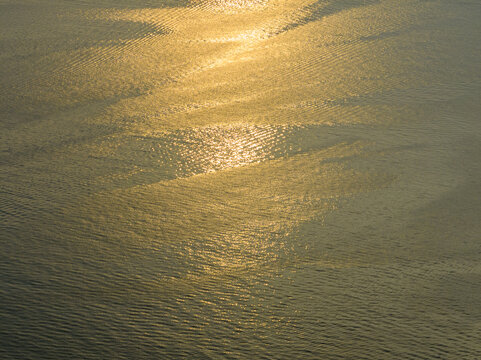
(240, 179)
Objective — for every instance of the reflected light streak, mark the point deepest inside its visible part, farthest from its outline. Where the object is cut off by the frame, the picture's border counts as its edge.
(235, 6)
(229, 148)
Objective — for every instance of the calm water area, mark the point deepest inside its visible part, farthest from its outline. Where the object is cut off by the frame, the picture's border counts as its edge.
(240, 179)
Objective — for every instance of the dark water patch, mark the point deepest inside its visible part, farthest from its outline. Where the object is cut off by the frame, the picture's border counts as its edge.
(75, 35)
(321, 9)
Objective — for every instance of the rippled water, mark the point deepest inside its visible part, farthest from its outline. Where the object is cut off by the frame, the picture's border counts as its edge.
(240, 179)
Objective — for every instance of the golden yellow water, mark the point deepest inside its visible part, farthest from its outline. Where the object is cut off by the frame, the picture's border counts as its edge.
(240, 179)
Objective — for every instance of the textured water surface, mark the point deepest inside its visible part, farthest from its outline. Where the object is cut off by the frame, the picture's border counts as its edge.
(240, 179)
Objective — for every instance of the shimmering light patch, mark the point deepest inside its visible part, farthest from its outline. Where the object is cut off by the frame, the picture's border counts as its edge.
(231, 147)
(245, 36)
(234, 6)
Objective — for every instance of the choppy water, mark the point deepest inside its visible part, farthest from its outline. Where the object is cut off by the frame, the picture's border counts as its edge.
(240, 179)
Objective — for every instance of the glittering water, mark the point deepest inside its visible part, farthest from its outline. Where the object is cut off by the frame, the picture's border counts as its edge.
(240, 179)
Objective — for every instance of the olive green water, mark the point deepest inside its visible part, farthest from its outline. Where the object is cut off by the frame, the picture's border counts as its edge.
(240, 179)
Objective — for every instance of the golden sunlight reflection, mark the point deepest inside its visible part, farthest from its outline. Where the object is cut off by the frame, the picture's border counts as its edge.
(205, 150)
(236, 148)
(234, 6)
(246, 36)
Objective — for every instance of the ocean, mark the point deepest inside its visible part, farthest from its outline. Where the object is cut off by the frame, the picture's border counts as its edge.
(240, 179)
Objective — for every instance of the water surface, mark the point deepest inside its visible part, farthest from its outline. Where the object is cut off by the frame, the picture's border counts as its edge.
(240, 179)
